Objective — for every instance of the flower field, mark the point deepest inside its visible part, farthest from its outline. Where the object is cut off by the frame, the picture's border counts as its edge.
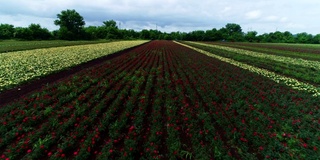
(21, 66)
(301, 69)
(303, 51)
(162, 100)
(14, 45)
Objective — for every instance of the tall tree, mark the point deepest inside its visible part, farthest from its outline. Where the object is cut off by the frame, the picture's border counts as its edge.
(111, 29)
(232, 32)
(6, 31)
(110, 24)
(71, 25)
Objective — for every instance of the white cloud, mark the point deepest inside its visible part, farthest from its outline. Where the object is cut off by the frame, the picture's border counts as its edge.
(253, 14)
(171, 15)
(271, 18)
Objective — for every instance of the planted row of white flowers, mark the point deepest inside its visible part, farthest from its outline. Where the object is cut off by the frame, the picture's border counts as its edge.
(21, 66)
(288, 60)
(291, 82)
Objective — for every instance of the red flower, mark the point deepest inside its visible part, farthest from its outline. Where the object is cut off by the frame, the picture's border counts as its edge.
(243, 139)
(284, 135)
(131, 128)
(75, 153)
(29, 151)
(110, 150)
(305, 145)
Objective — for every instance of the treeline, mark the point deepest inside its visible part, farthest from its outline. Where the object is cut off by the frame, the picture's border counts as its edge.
(72, 27)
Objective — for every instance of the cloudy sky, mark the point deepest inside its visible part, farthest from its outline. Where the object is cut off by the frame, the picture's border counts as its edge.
(263, 16)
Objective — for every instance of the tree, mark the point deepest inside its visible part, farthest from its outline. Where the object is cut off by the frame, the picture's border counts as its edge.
(251, 36)
(316, 39)
(130, 34)
(276, 37)
(71, 25)
(145, 34)
(39, 33)
(23, 33)
(304, 38)
(232, 32)
(197, 35)
(111, 29)
(6, 31)
(212, 35)
(91, 32)
(288, 37)
(110, 24)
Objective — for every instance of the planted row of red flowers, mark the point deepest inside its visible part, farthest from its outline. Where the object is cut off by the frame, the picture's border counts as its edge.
(73, 98)
(162, 101)
(310, 52)
(254, 105)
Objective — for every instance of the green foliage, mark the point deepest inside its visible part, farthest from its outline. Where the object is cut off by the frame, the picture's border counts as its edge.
(232, 32)
(33, 32)
(251, 36)
(304, 38)
(38, 33)
(6, 31)
(71, 25)
(23, 33)
(316, 39)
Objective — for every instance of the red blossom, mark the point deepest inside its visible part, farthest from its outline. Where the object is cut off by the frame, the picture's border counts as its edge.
(131, 129)
(305, 145)
(243, 139)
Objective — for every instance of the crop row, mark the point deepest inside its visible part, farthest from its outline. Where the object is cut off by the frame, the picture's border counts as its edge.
(10, 46)
(162, 101)
(300, 69)
(21, 66)
(293, 83)
(306, 51)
